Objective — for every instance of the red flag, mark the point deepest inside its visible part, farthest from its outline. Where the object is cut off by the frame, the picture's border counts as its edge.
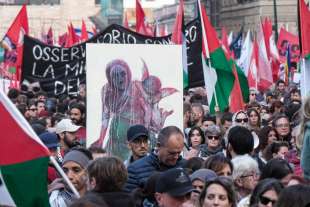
(236, 98)
(75, 38)
(125, 24)
(177, 34)
(285, 38)
(13, 40)
(304, 27)
(140, 19)
(62, 40)
(69, 39)
(252, 75)
(264, 70)
(225, 43)
(84, 34)
(50, 38)
(267, 31)
(271, 49)
(19, 26)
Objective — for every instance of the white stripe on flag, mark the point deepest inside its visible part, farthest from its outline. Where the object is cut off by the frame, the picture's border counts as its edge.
(210, 78)
(305, 77)
(5, 197)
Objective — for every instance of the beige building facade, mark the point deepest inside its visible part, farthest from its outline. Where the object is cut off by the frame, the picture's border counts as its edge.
(58, 16)
(231, 14)
(235, 13)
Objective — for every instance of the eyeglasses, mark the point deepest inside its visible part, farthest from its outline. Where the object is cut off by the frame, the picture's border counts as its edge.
(140, 141)
(282, 125)
(264, 200)
(33, 109)
(253, 175)
(245, 120)
(214, 137)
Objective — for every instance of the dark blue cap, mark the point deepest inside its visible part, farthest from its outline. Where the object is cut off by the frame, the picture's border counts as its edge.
(136, 131)
(175, 182)
(49, 139)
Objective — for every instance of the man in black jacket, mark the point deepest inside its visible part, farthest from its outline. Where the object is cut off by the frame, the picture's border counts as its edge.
(170, 143)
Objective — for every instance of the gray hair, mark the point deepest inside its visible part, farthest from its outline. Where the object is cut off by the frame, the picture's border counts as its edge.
(243, 165)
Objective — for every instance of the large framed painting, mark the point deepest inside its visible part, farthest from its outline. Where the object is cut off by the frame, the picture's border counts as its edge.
(128, 85)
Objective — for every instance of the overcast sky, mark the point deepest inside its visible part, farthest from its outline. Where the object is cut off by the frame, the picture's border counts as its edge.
(148, 3)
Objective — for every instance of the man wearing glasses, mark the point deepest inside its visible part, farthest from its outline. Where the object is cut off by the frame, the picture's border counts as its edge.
(245, 177)
(138, 138)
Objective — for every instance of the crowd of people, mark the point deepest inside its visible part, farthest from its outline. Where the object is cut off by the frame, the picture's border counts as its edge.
(256, 157)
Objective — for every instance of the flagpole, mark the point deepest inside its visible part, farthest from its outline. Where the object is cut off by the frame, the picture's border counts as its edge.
(204, 39)
(62, 173)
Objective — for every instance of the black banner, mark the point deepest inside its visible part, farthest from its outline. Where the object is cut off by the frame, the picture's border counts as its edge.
(60, 70)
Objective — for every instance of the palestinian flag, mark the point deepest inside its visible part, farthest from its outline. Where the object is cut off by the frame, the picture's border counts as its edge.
(218, 75)
(23, 160)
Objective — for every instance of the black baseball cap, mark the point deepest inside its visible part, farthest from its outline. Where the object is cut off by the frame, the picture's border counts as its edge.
(175, 182)
(136, 131)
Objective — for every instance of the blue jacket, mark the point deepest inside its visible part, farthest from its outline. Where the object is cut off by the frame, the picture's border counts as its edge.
(305, 152)
(140, 170)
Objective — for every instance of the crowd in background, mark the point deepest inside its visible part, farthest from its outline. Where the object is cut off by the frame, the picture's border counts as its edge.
(258, 156)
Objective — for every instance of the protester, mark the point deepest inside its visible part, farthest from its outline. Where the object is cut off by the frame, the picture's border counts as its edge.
(267, 136)
(254, 120)
(240, 118)
(40, 105)
(170, 143)
(213, 142)
(195, 137)
(90, 201)
(220, 164)
(193, 164)
(277, 168)
(240, 141)
(74, 165)
(277, 150)
(77, 114)
(294, 196)
(66, 132)
(97, 152)
(107, 176)
(197, 114)
(266, 193)
(199, 178)
(137, 137)
(218, 192)
(245, 176)
(226, 121)
(195, 142)
(282, 125)
(280, 89)
(173, 188)
(208, 120)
